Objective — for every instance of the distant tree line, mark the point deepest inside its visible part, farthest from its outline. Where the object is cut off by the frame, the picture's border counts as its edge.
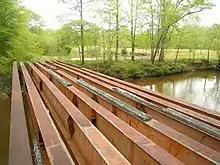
(121, 27)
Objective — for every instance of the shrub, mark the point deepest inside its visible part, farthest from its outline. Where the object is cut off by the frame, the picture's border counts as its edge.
(124, 52)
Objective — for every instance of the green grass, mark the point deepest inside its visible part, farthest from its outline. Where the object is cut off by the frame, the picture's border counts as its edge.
(184, 55)
(170, 55)
(44, 58)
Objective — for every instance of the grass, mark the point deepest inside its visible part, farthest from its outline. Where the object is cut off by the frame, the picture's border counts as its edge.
(44, 58)
(185, 54)
(170, 55)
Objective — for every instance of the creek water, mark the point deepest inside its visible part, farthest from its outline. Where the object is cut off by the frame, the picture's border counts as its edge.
(201, 88)
(4, 128)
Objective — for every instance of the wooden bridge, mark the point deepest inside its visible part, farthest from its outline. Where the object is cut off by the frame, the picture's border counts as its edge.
(62, 114)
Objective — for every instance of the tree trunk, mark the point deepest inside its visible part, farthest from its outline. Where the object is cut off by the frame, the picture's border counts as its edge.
(103, 44)
(96, 53)
(132, 31)
(177, 52)
(208, 54)
(109, 38)
(163, 42)
(189, 54)
(156, 50)
(110, 48)
(152, 45)
(155, 53)
(117, 30)
(164, 29)
(132, 51)
(161, 56)
(82, 31)
(152, 52)
(79, 52)
(133, 27)
(194, 53)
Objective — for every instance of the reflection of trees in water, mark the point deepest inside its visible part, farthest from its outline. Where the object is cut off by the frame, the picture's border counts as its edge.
(160, 87)
(213, 92)
(217, 86)
(183, 89)
(174, 89)
(198, 87)
(189, 89)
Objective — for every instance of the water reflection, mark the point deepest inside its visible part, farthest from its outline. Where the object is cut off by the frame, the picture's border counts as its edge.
(200, 88)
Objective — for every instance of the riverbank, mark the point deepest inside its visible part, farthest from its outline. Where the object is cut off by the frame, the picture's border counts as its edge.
(5, 84)
(126, 69)
(144, 68)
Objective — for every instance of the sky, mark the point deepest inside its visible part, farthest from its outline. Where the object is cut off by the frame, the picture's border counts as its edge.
(49, 10)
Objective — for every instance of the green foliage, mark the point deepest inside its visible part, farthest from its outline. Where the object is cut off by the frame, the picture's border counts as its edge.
(17, 41)
(143, 40)
(124, 52)
(124, 70)
(162, 69)
(133, 69)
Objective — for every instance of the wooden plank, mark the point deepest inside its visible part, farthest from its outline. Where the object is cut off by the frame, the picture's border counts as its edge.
(185, 128)
(19, 145)
(152, 98)
(120, 134)
(196, 108)
(93, 146)
(56, 150)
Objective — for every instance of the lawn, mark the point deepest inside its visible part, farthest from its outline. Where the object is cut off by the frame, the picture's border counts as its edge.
(170, 55)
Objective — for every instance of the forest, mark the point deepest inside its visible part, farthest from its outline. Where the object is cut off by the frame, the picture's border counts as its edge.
(152, 32)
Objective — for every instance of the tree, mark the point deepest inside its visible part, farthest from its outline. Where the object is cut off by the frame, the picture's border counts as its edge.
(78, 6)
(216, 38)
(17, 40)
(117, 29)
(170, 13)
(111, 15)
(92, 35)
(9, 27)
(106, 16)
(82, 30)
(133, 20)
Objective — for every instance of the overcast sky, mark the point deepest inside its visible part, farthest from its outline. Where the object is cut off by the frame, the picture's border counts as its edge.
(49, 10)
